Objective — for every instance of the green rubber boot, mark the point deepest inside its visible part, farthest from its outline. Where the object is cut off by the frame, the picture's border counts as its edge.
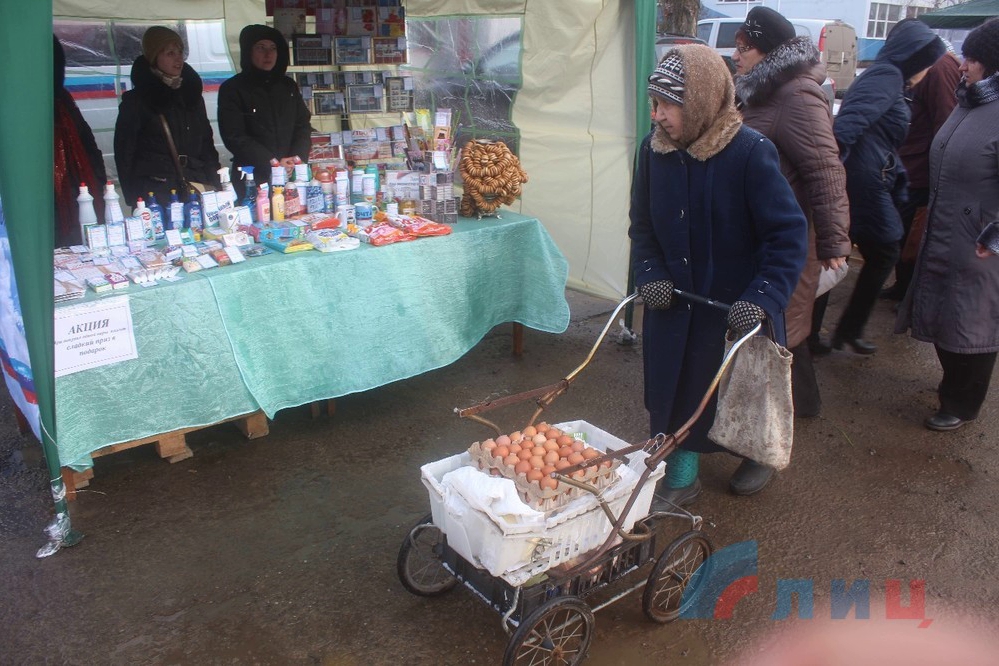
(681, 486)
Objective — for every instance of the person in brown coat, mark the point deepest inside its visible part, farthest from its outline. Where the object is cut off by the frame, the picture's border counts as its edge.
(778, 82)
(931, 101)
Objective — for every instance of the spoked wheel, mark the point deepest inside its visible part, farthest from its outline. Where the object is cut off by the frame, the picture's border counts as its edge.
(675, 569)
(558, 633)
(419, 563)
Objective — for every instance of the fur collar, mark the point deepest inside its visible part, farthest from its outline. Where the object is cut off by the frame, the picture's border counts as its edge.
(710, 119)
(785, 63)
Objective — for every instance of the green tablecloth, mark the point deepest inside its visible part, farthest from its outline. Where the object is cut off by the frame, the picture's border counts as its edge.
(285, 330)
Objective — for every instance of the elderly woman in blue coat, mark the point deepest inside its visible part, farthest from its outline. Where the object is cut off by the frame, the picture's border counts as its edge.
(711, 214)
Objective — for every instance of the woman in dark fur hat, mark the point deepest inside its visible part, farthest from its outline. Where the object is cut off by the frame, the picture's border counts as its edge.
(778, 82)
(163, 85)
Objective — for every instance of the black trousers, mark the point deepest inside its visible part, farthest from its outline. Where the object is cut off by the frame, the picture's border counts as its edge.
(879, 260)
(804, 383)
(965, 382)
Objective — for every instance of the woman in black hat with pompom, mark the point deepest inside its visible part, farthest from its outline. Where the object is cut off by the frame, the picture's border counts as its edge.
(954, 298)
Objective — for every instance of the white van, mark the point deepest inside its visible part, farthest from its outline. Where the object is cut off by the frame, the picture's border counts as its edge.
(836, 41)
(99, 56)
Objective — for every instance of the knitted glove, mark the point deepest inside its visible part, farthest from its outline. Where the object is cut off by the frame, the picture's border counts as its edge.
(743, 316)
(657, 295)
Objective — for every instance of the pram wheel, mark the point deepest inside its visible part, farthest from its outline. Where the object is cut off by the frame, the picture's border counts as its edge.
(419, 564)
(678, 567)
(556, 633)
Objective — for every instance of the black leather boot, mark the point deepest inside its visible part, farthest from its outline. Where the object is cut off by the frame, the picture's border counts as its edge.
(750, 478)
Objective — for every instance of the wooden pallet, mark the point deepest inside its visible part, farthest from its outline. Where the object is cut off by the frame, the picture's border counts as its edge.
(171, 445)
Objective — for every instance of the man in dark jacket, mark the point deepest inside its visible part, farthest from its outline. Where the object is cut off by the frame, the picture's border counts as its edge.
(871, 125)
(262, 115)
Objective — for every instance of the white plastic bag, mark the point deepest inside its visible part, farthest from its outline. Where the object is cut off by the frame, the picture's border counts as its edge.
(830, 277)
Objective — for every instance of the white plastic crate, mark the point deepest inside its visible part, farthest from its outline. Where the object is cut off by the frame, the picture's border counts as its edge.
(516, 553)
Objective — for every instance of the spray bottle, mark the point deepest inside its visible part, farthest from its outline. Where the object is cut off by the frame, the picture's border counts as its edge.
(328, 189)
(175, 219)
(112, 205)
(250, 195)
(157, 218)
(88, 216)
(193, 217)
(228, 194)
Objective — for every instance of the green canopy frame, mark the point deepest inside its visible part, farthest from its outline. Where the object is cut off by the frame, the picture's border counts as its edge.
(965, 15)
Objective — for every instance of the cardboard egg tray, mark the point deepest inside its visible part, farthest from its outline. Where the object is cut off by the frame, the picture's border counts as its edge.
(545, 500)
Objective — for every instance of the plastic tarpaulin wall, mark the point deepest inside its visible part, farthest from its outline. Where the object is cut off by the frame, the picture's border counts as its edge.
(576, 116)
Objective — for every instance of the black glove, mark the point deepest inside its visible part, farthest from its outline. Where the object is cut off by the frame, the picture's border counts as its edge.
(743, 316)
(657, 295)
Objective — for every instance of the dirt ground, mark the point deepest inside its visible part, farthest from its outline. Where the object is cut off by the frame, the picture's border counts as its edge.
(282, 550)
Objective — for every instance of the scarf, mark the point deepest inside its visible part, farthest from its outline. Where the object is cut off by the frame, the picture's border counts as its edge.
(170, 81)
(70, 168)
(982, 92)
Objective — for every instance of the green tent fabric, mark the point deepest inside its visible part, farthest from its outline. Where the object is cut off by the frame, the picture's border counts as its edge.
(26, 121)
(965, 15)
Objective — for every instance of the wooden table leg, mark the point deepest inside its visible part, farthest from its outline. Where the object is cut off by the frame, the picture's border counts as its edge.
(317, 408)
(518, 339)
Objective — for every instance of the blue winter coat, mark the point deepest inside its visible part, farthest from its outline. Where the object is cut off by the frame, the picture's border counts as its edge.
(872, 123)
(728, 228)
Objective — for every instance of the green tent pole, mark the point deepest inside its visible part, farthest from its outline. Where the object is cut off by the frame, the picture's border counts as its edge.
(645, 53)
(26, 121)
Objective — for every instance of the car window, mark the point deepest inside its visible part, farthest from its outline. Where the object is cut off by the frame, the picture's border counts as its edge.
(726, 35)
(704, 32)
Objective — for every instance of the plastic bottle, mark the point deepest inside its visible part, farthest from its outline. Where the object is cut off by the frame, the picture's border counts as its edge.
(372, 170)
(157, 217)
(193, 217)
(250, 196)
(263, 205)
(228, 193)
(144, 214)
(342, 189)
(314, 196)
(112, 205)
(88, 216)
(277, 204)
(357, 186)
(301, 172)
(175, 219)
(368, 188)
(278, 174)
(293, 199)
(329, 192)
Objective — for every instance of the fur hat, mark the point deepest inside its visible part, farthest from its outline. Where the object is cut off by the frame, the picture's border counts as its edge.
(156, 39)
(982, 44)
(667, 81)
(766, 29)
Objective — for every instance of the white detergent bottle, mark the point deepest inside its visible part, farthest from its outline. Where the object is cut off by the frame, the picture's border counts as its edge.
(146, 216)
(228, 193)
(112, 205)
(88, 216)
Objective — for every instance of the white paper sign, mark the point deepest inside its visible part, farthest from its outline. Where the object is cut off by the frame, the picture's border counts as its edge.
(90, 335)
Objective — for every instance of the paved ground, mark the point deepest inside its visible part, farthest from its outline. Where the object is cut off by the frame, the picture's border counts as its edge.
(282, 550)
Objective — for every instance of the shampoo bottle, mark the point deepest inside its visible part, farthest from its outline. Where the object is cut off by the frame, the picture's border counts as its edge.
(176, 216)
(263, 205)
(144, 214)
(88, 216)
(193, 217)
(293, 199)
(277, 204)
(157, 217)
(112, 205)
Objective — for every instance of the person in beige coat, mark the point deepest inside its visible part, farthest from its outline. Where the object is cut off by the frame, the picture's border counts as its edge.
(778, 84)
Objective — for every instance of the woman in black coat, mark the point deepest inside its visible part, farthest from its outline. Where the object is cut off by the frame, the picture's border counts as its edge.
(163, 84)
(870, 126)
(262, 115)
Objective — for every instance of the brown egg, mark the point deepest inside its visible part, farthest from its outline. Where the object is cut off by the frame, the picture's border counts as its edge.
(551, 457)
(542, 427)
(501, 451)
(550, 445)
(590, 454)
(511, 460)
(515, 436)
(548, 483)
(577, 445)
(579, 473)
(529, 431)
(575, 458)
(522, 467)
(553, 433)
(525, 454)
(539, 439)
(562, 463)
(565, 452)
(547, 469)
(539, 451)
(563, 440)
(537, 462)
(515, 448)
(488, 445)
(535, 475)
(503, 439)
(607, 463)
